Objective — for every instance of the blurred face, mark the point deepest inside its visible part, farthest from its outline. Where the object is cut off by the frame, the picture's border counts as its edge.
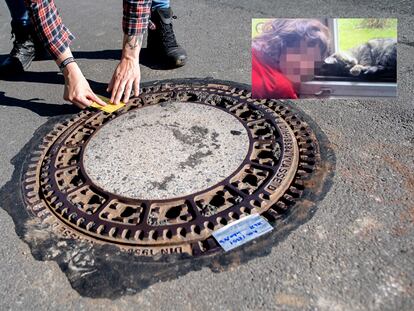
(297, 63)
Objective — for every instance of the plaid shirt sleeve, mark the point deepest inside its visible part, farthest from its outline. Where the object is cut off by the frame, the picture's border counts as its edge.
(49, 27)
(136, 16)
(57, 38)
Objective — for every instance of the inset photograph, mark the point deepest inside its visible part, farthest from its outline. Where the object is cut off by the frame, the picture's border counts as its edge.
(324, 58)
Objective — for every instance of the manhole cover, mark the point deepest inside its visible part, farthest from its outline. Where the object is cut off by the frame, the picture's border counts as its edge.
(175, 164)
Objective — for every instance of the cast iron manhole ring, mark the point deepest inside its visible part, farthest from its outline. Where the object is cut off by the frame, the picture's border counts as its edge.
(282, 157)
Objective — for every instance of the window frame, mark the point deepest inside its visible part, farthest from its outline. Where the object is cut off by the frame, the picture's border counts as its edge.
(341, 88)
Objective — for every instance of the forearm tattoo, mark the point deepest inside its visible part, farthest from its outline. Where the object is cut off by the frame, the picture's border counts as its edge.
(134, 42)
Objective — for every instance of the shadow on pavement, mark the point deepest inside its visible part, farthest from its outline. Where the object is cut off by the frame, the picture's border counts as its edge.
(147, 58)
(104, 54)
(34, 104)
(42, 109)
(152, 61)
(49, 77)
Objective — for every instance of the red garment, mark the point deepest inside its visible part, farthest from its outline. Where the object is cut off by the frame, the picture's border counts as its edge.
(269, 83)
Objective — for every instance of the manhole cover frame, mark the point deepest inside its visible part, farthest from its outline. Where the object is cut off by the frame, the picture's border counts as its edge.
(305, 142)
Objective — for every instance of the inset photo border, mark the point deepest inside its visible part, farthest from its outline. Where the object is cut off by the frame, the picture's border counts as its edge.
(324, 57)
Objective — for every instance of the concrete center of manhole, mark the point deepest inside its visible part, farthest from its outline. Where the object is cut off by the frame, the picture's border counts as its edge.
(166, 151)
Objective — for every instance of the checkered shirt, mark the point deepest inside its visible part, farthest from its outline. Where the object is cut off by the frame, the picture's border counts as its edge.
(56, 37)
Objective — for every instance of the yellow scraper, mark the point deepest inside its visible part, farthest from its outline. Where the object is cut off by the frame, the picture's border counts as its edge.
(109, 108)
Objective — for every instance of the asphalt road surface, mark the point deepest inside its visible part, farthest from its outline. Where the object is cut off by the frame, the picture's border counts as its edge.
(356, 253)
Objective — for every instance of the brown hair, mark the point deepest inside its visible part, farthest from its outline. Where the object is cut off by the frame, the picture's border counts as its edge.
(277, 34)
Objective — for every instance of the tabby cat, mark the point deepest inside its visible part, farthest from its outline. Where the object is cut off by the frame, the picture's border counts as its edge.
(377, 57)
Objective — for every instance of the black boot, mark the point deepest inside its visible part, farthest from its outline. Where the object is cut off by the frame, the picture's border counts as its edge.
(23, 52)
(162, 41)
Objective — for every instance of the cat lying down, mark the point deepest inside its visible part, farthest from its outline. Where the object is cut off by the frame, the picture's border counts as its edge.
(377, 57)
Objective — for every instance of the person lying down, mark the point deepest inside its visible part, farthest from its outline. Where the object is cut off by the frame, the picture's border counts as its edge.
(284, 54)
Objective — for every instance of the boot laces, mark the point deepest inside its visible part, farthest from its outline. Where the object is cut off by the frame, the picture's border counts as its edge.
(167, 34)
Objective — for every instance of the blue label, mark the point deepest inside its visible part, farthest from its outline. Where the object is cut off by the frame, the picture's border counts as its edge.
(241, 231)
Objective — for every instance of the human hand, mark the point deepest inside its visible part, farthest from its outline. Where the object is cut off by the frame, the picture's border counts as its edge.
(127, 75)
(77, 89)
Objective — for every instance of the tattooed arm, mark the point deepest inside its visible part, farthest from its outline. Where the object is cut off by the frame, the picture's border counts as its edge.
(127, 74)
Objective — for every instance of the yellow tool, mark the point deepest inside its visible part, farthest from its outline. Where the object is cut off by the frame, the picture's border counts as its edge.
(109, 108)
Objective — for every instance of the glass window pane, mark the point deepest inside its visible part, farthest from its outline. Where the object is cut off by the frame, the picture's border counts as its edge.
(356, 31)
